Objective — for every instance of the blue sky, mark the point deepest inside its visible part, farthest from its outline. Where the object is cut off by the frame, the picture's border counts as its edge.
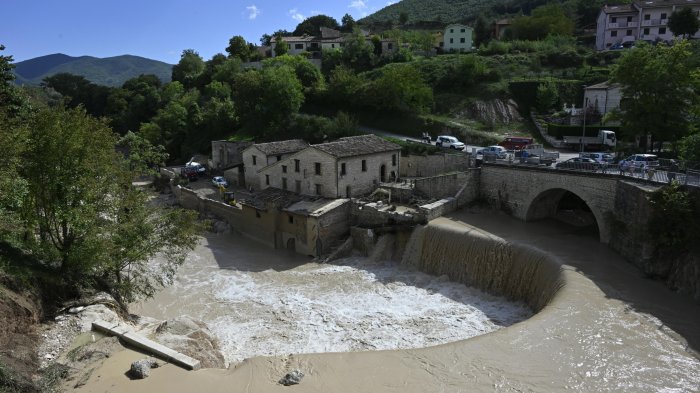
(156, 29)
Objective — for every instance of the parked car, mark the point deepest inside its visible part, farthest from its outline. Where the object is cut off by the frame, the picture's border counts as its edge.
(197, 167)
(583, 163)
(498, 151)
(637, 162)
(219, 181)
(449, 141)
(617, 46)
(601, 158)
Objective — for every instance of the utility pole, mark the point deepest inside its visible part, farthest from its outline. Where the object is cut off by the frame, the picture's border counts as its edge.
(583, 134)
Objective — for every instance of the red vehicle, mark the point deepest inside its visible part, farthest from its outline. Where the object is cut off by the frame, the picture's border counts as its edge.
(515, 142)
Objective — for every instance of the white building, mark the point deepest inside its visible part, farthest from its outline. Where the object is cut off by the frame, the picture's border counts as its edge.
(457, 38)
(603, 97)
(641, 20)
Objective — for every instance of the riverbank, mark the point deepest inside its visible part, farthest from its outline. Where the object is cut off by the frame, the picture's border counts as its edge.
(607, 329)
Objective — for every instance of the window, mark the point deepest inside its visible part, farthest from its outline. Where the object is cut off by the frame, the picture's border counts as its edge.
(267, 180)
(663, 16)
(452, 40)
(629, 19)
(390, 46)
(284, 183)
(629, 32)
(452, 30)
(257, 214)
(284, 169)
(462, 30)
(279, 158)
(647, 16)
(255, 160)
(296, 165)
(462, 40)
(364, 165)
(613, 19)
(613, 33)
(646, 31)
(298, 46)
(319, 189)
(342, 169)
(393, 159)
(297, 186)
(662, 30)
(348, 192)
(317, 167)
(332, 45)
(291, 219)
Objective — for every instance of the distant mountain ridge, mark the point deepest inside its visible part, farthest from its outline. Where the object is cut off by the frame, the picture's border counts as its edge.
(108, 71)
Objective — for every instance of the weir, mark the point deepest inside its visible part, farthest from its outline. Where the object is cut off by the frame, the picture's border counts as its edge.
(478, 259)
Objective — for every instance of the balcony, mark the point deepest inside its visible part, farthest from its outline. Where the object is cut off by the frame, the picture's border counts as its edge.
(652, 22)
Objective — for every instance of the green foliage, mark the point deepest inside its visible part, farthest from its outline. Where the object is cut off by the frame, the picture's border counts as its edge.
(358, 53)
(482, 32)
(348, 23)
(690, 148)
(547, 96)
(111, 71)
(309, 76)
(238, 48)
(414, 148)
(312, 25)
(400, 88)
(143, 158)
(546, 20)
(671, 228)
(189, 69)
(660, 90)
(526, 92)
(684, 22)
(281, 46)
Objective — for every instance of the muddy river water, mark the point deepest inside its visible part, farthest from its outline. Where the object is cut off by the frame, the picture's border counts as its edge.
(593, 322)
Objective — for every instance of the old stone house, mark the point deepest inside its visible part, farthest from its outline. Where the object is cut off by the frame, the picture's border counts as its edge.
(348, 167)
(261, 155)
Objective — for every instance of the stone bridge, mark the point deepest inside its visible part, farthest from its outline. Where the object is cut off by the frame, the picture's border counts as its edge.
(531, 193)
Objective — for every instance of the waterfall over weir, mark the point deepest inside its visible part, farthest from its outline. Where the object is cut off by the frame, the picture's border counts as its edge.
(472, 257)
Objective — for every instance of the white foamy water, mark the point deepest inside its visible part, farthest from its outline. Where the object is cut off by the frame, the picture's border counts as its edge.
(259, 301)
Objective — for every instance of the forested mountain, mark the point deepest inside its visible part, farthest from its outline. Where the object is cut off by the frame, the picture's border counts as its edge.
(109, 71)
(437, 13)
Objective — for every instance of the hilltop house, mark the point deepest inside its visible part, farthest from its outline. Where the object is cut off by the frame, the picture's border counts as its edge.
(329, 39)
(641, 20)
(348, 167)
(457, 38)
(603, 97)
(261, 155)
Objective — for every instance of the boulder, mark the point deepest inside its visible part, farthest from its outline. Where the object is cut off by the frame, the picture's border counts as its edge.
(292, 378)
(141, 369)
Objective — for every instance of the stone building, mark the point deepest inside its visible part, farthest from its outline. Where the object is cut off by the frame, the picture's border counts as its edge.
(261, 155)
(348, 167)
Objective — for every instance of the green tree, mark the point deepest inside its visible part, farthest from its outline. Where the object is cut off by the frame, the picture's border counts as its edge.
(92, 226)
(358, 53)
(142, 157)
(482, 32)
(188, 70)
(547, 96)
(545, 20)
(348, 23)
(690, 148)
(400, 88)
(309, 76)
(281, 46)
(281, 94)
(659, 91)
(312, 25)
(238, 48)
(403, 18)
(684, 22)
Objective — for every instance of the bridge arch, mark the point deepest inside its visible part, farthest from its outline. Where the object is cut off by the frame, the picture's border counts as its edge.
(550, 202)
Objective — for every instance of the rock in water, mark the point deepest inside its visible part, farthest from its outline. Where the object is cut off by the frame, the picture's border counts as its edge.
(293, 378)
(140, 369)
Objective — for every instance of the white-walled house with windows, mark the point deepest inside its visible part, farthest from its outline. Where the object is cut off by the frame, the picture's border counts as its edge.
(640, 20)
(348, 167)
(457, 38)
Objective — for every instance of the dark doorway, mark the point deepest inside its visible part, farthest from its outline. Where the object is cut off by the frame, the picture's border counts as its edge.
(382, 173)
(291, 245)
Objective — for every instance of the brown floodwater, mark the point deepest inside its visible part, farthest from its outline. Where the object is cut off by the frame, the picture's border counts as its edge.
(599, 326)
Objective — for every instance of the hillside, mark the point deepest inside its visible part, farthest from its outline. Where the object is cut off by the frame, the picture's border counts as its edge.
(448, 11)
(110, 71)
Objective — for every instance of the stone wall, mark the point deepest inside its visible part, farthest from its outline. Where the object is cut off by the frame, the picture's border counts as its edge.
(629, 223)
(433, 165)
(448, 185)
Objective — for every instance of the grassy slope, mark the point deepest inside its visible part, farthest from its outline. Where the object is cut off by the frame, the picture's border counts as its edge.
(110, 71)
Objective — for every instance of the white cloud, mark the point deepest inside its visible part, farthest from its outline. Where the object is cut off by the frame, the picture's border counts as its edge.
(358, 5)
(253, 11)
(296, 15)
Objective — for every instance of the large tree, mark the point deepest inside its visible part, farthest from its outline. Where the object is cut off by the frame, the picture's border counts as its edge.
(312, 25)
(87, 222)
(660, 90)
(188, 70)
(348, 23)
(684, 22)
(482, 32)
(545, 20)
(238, 48)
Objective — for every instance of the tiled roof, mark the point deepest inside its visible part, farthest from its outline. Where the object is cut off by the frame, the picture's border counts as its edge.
(329, 33)
(281, 198)
(306, 38)
(357, 146)
(665, 3)
(604, 85)
(282, 147)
